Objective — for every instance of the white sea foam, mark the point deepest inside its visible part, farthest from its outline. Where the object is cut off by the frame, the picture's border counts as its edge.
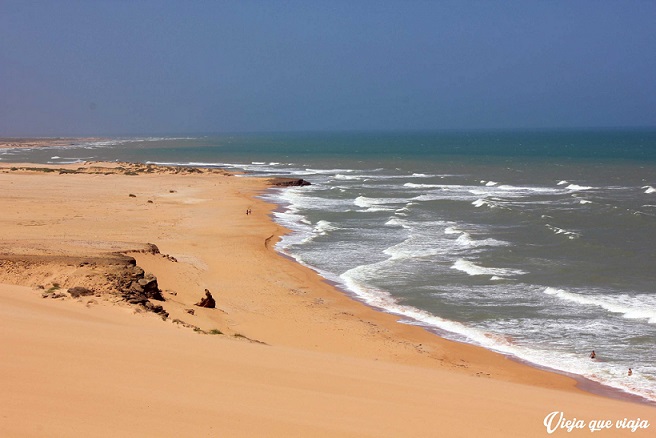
(349, 177)
(302, 199)
(483, 202)
(472, 269)
(507, 190)
(447, 191)
(421, 186)
(412, 248)
(376, 208)
(649, 189)
(576, 187)
(197, 164)
(302, 231)
(640, 307)
(563, 182)
(403, 211)
(397, 222)
(523, 190)
(491, 183)
(324, 227)
(570, 234)
(328, 171)
(488, 195)
(478, 192)
(379, 204)
(363, 201)
(465, 239)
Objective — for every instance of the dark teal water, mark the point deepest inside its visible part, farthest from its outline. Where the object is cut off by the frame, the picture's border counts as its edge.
(540, 245)
(633, 144)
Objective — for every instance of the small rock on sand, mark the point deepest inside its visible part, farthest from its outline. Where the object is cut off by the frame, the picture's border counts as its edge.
(79, 291)
(208, 301)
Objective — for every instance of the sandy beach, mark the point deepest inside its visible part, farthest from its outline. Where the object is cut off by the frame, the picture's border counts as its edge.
(283, 353)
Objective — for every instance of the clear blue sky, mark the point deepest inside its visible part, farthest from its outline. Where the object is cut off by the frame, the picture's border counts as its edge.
(118, 67)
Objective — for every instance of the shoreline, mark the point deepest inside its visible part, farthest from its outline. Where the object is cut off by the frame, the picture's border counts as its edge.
(262, 295)
(582, 383)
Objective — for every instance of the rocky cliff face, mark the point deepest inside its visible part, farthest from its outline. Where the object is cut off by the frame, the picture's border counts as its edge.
(113, 276)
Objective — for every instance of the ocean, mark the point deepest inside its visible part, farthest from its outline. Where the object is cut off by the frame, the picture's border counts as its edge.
(540, 245)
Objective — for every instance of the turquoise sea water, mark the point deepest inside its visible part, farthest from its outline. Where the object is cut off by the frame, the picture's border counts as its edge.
(540, 245)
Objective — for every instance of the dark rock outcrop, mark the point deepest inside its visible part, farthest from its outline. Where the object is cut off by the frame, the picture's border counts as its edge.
(138, 287)
(208, 301)
(289, 182)
(151, 248)
(79, 291)
(156, 309)
(53, 295)
(150, 288)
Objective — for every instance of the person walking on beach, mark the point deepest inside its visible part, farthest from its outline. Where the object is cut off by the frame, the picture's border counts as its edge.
(593, 355)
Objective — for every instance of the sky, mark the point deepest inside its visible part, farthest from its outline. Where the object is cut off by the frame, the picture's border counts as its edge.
(141, 67)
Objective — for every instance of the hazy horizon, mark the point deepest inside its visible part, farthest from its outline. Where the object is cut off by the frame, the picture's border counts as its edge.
(392, 131)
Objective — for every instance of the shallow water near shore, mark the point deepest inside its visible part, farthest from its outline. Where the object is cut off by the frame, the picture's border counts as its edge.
(540, 245)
